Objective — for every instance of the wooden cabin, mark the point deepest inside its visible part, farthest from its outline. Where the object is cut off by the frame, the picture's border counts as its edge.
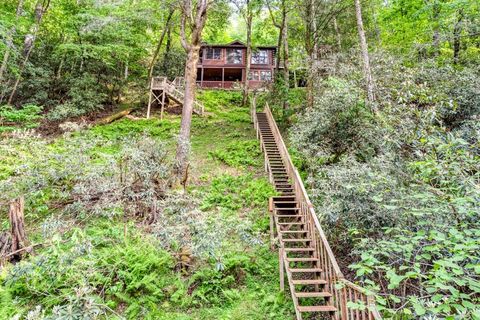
(223, 66)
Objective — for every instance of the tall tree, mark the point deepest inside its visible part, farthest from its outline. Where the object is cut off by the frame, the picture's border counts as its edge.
(193, 19)
(9, 41)
(282, 44)
(166, 29)
(40, 8)
(246, 9)
(317, 17)
(367, 73)
(436, 28)
(457, 30)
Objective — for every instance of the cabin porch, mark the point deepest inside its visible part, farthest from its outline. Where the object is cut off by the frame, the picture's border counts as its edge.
(229, 78)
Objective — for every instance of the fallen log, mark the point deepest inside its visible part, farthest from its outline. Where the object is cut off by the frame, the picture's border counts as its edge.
(115, 116)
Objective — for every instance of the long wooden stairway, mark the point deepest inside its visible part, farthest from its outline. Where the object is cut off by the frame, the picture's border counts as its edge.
(317, 287)
(162, 89)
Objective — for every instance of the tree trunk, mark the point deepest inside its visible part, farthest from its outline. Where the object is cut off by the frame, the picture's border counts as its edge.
(168, 47)
(249, 19)
(365, 57)
(159, 44)
(183, 146)
(310, 46)
(280, 26)
(436, 28)
(195, 20)
(338, 36)
(286, 71)
(279, 46)
(457, 30)
(17, 224)
(40, 9)
(9, 40)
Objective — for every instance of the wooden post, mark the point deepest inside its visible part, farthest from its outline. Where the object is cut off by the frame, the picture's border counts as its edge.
(17, 224)
(150, 99)
(163, 104)
(272, 231)
(201, 77)
(254, 107)
(164, 86)
(272, 223)
(223, 77)
(281, 265)
(295, 78)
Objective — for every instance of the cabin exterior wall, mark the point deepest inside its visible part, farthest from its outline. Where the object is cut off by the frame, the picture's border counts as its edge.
(220, 66)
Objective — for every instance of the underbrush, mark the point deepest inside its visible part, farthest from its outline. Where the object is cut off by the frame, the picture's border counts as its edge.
(239, 154)
(233, 193)
(153, 127)
(26, 117)
(398, 189)
(119, 243)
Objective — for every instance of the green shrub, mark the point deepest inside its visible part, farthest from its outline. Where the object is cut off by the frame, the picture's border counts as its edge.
(403, 197)
(339, 124)
(457, 92)
(92, 273)
(85, 95)
(239, 154)
(27, 116)
(234, 193)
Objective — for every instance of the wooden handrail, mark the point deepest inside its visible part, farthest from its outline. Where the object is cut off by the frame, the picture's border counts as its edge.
(347, 291)
(162, 83)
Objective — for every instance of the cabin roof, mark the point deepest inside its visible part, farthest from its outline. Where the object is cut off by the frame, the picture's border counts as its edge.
(234, 44)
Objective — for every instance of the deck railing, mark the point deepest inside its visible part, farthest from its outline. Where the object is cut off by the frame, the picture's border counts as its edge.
(351, 301)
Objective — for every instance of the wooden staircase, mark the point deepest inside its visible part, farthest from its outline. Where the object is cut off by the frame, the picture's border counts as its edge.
(317, 287)
(161, 89)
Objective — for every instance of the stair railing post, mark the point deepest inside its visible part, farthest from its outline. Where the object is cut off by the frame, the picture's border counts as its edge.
(163, 105)
(281, 266)
(272, 222)
(150, 98)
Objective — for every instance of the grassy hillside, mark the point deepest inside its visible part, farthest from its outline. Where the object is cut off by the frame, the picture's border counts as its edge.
(118, 242)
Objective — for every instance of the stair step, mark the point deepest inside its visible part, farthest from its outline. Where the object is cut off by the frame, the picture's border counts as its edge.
(289, 216)
(291, 223)
(302, 259)
(308, 281)
(305, 270)
(322, 294)
(317, 309)
(294, 231)
(296, 240)
(298, 249)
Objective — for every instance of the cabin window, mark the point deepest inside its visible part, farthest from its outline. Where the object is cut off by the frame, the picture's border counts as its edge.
(260, 57)
(234, 56)
(214, 54)
(253, 75)
(266, 75)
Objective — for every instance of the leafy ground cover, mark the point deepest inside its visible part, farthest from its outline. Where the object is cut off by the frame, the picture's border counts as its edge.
(145, 252)
(398, 191)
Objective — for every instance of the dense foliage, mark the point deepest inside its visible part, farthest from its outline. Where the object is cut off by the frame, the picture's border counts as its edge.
(395, 178)
(118, 242)
(400, 189)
